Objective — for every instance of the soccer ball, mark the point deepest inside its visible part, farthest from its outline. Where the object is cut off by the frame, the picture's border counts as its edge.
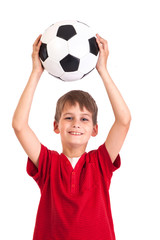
(69, 50)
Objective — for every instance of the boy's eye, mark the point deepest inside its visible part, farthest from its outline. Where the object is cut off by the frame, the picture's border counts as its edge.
(68, 118)
(84, 119)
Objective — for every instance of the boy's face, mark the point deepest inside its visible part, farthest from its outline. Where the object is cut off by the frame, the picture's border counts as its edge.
(75, 126)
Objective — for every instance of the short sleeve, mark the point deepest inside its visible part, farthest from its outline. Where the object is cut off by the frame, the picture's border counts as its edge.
(41, 173)
(105, 163)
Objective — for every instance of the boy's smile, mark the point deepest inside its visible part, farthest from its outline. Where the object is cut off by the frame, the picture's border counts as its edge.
(75, 127)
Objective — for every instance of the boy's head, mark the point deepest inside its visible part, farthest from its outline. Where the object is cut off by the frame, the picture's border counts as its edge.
(76, 121)
(73, 97)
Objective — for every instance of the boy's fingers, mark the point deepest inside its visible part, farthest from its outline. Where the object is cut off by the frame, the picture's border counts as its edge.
(99, 42)
(39, 44)
(37, 40)
(99, 45)
(102, 43)
(102, 40)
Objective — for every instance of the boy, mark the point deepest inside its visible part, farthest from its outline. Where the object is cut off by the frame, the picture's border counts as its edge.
(74, 185)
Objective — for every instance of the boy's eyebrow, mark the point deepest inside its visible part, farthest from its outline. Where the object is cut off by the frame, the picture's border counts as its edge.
(67, 113)
(86, 114)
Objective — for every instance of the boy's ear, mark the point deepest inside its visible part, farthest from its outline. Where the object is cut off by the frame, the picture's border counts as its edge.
(56, 129)
(95, 130)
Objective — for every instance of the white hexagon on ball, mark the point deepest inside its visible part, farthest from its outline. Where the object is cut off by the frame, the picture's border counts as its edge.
(87, 63)
(84, 30)
(71, 76)
(57, 48)
(78, 46)
(49, 34)
(53, 67)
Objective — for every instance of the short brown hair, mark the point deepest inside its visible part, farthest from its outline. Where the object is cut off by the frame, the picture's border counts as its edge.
(84, 99)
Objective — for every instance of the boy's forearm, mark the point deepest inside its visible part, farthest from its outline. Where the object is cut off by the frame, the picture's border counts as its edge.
(120, 109)
(21, 115)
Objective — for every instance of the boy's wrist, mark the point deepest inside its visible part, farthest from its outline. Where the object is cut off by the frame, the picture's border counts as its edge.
(102, 71)
(36, 73)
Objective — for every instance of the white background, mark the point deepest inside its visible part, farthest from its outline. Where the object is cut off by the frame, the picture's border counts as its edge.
(132, 31)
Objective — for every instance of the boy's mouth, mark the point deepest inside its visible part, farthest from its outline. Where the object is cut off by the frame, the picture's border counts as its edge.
(75, 133)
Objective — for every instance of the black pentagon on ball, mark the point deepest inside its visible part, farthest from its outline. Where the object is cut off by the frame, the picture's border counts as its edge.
(70, 63)
(94, 49)
(43, 52)
(66, 32)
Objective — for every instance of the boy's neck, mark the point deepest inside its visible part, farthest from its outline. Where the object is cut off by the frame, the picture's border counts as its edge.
(74, 152)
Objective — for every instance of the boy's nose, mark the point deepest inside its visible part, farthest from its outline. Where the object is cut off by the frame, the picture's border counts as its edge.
(76, 124)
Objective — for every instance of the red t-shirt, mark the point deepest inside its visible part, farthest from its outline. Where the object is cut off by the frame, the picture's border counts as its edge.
(74, 203)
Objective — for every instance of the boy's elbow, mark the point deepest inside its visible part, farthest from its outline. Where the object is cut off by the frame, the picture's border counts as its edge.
(127, 120)
(13, 123)
(16, 125)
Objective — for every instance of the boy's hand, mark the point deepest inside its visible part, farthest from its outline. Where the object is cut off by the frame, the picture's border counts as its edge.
(103, 54)
(37, 66)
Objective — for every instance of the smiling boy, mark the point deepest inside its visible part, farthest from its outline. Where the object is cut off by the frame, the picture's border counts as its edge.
(76, 124)
(75, 203)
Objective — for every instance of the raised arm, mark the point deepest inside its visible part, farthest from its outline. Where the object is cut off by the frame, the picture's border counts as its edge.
(24, 133)
(122, 114)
